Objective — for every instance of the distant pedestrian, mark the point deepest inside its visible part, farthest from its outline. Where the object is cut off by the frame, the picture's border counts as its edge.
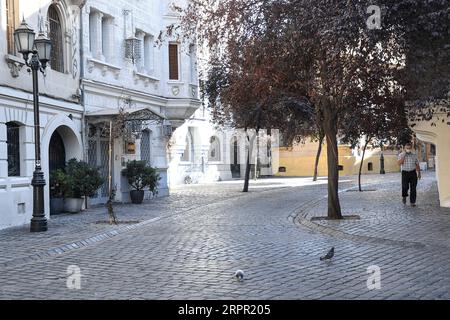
(410, 173)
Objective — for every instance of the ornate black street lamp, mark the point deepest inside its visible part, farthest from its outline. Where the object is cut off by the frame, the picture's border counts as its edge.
(40, 50)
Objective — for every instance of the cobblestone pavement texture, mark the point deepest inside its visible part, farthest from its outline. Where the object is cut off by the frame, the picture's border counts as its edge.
(189, 245)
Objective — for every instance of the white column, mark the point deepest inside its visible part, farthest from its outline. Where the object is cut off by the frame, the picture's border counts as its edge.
(3, 151)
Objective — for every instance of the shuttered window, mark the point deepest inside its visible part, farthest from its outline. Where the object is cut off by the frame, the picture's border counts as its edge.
(173, 62)
(12, 22)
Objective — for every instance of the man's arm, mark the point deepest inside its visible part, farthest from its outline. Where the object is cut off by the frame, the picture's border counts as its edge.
(401, 158)
(419, 174)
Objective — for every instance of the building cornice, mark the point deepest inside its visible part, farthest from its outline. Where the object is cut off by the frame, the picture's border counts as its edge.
(139, 96)
(24, 96)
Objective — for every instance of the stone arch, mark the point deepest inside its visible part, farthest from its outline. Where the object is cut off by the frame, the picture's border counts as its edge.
(71, 137)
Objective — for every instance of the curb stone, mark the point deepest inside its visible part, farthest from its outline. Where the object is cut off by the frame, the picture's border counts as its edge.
(300, 218)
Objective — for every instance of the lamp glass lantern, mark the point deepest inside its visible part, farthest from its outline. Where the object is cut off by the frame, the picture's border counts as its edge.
(24, 38)
(43, 47)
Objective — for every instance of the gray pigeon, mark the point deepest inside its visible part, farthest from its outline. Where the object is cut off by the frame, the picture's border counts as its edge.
(329, 255)
(239, 275)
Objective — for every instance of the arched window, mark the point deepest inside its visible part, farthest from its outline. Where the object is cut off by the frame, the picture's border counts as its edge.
(13, 142)
(56, 36)
(188, 154)
(214, 149)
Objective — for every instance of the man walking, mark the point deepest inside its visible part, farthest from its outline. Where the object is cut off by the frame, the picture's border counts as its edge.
(410, 173)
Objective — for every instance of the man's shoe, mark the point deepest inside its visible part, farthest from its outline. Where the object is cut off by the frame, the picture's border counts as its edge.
(404, 200)
(413, 205)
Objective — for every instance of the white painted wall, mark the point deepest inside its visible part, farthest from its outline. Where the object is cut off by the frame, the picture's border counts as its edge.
(59, 100)
(16, 192)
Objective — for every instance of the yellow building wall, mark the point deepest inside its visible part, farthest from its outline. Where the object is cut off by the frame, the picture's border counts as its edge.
(299, 161)
(439, 135)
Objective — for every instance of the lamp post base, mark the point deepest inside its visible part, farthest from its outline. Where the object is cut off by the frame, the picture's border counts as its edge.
(38, 225)
(39, 221)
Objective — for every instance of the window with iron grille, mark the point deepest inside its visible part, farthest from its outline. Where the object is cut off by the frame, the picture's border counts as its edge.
(146, 146)
(12, 21)
(56, 36)
(13, 143)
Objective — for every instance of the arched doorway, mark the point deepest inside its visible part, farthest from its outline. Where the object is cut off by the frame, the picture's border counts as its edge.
(59, 145)
(235, 165)
(56, 160)
(69, 132)
(56, 152)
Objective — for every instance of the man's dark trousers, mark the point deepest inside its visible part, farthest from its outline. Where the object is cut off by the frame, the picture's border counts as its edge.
(409, 181)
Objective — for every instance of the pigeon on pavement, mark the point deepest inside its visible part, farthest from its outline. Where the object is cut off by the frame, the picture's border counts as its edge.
(329, 255)
(239, 275)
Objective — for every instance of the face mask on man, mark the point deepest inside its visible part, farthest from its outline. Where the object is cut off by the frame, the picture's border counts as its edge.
(408, 150)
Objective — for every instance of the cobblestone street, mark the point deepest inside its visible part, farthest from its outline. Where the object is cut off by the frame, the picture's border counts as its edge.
(188, 246)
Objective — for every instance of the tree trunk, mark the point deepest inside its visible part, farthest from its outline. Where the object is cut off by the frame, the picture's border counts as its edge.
(361, 165)
(330, 129)
(247, 165)
(319, 151)
(247, 172)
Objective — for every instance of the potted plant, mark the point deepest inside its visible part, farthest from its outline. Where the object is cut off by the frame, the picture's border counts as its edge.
(57, 184)
(140, 176)
(82, 180)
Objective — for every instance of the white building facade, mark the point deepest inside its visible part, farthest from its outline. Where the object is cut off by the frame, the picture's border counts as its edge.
(124, 67)
(202, 152)
(60, 110)
(104, 58)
